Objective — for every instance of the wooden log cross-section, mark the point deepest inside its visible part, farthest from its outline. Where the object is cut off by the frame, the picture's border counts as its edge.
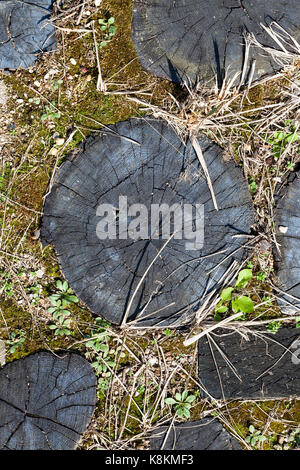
(25, 32)
(146, 274)
(205, 434)
(257, 366)
(190, 40)
(46, 401)
(287, 219)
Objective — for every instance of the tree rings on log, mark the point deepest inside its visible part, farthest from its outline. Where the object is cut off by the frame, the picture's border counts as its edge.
(287, 218)
(24, 32)
(46, 401)
(264, 367)
(190, 40)
(206, 434)
(145, 275)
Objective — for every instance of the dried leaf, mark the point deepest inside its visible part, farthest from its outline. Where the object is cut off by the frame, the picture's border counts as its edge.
(2, 353)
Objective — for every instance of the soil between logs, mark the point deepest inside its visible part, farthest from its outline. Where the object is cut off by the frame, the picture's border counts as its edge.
(152, 280)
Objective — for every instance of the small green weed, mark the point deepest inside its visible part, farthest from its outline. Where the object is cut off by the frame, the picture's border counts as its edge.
(255, 436)
(109, 28)
(182, 403)
(51, 112)
(230, 298)
(274, 326)
(281, 139)
(59, 301)
(16, 340)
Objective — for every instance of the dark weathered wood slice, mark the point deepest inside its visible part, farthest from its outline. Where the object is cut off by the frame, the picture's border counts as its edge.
(287, 218)
(186, 40)
(160, 169)
(265, 367)
(24, 32)
(46, 401)
(206, 434)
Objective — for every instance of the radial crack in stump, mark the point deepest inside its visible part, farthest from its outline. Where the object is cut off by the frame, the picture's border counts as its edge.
(190, 40)
(287, 219)
(265, 366)
(24, 32)
(150, 276)
(206, 434)
(46, 401)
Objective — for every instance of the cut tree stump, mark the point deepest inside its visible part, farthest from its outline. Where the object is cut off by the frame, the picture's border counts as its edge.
(265, 367)
(287, 218)
(24, 32)
(197, 40)
(146, 280)
(46, 401)
(206, 434)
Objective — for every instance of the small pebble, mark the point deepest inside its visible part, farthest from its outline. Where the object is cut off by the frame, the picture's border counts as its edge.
(73, 61)
(53, 151)
(59, 141)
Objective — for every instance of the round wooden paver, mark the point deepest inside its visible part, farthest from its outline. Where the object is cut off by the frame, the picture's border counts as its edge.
(205, 434)
(186, 40)
(46, 401)
(153, 279)
(287, 219)
(24, 32)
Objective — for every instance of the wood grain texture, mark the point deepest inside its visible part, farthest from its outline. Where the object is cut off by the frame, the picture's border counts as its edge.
(24, 32)
(105, 273)
(46, 402)
(198, 39)
(265, 367)
(206, 434)
(287, 219)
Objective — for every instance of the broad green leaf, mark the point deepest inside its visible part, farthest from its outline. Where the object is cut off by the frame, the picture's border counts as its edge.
(104, 348)
(243, 278)
(222, 309)
(190, 398)
(184, 395)
(242, 304)
(170, 401)
(226, 294)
